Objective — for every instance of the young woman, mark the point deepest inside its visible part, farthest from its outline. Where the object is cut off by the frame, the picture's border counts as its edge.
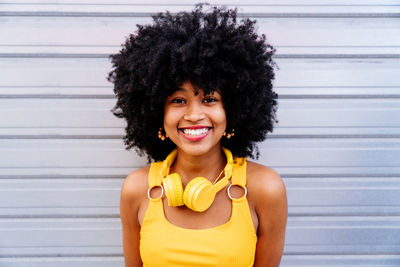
(195, 89)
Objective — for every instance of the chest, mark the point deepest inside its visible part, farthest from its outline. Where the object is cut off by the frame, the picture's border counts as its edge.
(232, 243)
(219, 213)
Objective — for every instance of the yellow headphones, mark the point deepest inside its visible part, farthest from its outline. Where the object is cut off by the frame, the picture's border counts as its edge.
(199, 193)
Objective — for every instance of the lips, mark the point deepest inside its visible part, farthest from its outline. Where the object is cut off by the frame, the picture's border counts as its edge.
(195, 133)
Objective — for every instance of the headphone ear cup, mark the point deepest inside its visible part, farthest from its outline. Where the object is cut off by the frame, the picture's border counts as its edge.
(197, 195)
(173, 189)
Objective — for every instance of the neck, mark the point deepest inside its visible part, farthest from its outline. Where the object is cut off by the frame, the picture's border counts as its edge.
(208, 165)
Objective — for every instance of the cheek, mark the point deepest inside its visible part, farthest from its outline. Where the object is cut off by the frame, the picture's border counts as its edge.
(170, 119)
(223, 113)
(220, 117)
(223, 118)
(167, 120)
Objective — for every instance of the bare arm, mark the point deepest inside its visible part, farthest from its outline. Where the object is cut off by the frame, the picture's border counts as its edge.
(271, 208)
(131, 198)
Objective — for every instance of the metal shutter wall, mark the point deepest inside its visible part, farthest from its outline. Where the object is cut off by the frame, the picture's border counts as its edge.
(62, 160)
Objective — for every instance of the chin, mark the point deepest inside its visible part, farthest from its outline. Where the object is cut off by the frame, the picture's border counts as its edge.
(198, 150)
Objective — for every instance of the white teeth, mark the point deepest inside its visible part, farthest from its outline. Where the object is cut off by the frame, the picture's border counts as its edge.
(195, 132)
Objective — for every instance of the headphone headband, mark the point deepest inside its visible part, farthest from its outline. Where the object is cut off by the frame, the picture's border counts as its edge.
(199, 193)
(172, 156)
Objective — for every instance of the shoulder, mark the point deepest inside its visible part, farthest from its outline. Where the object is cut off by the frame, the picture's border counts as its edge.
(265, 186)
(135, 185)
(267, 195)
(266, 179)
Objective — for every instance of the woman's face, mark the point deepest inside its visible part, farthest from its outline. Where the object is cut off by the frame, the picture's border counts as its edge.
(195, 123)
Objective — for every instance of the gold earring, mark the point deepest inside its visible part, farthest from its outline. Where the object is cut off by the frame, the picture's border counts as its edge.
(161, 135)
(229, 135)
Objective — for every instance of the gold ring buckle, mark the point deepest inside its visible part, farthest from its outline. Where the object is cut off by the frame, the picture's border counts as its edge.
(162, 192)
(229, 193)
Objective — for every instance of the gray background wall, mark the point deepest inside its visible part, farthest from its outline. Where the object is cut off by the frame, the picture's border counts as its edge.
(62, 160)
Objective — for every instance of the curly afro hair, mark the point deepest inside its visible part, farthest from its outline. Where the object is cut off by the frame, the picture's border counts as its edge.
(211, 50)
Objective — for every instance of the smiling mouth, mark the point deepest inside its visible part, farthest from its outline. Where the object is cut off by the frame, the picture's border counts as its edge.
(195, 132)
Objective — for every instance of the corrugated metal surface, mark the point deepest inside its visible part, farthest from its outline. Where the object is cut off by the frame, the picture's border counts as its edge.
(337, 145)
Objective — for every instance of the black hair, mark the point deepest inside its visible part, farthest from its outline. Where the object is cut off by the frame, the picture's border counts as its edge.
(211, 50)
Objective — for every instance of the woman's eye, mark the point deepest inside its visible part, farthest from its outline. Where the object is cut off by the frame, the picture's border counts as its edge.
(178, 100)
(210, 100)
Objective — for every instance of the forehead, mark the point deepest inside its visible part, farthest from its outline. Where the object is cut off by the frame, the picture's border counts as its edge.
(189, 88)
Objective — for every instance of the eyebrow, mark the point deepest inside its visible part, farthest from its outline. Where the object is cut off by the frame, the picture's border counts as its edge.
(181, 89)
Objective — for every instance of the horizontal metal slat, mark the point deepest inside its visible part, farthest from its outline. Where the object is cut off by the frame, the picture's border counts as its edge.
(71, 153)
(292, 36)
(59, 116)
(254, 6)
(303, 73)
(341, 260)
(87, 261)
(350, 235)
(57, 197)
(287, 260)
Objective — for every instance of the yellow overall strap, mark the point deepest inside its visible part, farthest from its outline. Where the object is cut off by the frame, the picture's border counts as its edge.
(239, 172)
(155, 175)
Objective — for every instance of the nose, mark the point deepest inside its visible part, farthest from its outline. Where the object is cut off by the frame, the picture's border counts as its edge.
(194, 112)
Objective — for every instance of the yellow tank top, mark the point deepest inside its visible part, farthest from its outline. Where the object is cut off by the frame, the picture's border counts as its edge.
(232, 244)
